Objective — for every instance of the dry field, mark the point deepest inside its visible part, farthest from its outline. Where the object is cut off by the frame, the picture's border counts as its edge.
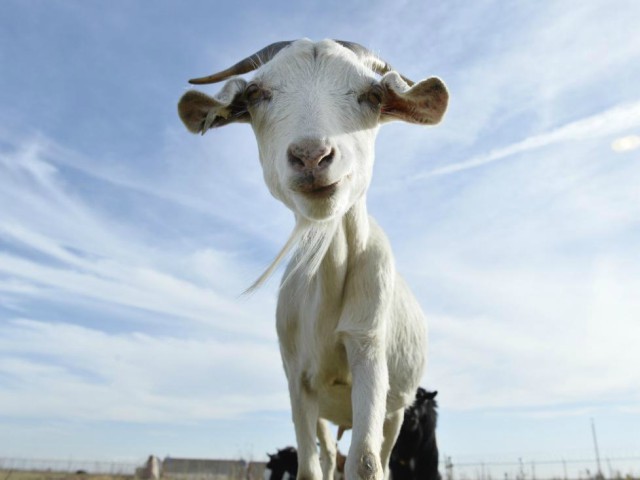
(25, 475)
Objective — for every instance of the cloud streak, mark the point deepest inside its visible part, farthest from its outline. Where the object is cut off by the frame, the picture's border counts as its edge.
(615, 120)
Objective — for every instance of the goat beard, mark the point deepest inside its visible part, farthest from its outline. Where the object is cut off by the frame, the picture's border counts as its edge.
(310, 241)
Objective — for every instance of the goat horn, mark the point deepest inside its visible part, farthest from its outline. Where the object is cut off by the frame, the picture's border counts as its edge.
(244, 66)
(377, 64)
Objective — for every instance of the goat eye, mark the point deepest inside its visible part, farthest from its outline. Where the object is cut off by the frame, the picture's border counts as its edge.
(253, 93)
(373, 97)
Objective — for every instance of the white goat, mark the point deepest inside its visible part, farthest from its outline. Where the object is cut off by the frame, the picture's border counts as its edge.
(352, 336)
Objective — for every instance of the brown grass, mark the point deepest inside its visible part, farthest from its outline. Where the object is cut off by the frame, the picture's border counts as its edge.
(25, 475)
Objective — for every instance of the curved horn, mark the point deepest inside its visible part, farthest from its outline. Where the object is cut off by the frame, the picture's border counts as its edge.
(244, 66)
(377, 64)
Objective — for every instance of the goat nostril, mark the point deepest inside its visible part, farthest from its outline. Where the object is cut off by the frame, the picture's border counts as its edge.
(295, 161)
(327, 159)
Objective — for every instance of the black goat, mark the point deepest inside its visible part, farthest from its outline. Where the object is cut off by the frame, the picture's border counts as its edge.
(415, 454)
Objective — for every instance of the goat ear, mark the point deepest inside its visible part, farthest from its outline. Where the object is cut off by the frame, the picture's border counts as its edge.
(200, 112)
(423, 103)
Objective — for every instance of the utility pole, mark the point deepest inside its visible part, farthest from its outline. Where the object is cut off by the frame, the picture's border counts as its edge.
(521, 475)
(610, 469)
(595, 443)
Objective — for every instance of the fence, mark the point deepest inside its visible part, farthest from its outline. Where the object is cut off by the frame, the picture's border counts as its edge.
(611, 468)
(44, 465)
(173, 468)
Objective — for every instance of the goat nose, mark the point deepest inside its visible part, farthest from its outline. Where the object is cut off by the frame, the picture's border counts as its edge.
(310, 154)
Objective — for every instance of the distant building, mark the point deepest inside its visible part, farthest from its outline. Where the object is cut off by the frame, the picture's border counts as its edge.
(151, 470)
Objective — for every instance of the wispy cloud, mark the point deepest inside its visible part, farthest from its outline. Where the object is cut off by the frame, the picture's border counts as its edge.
(62, 249)
(215, 179)
(612, 121)
(88, 374)
(538, 338)
(145, 331)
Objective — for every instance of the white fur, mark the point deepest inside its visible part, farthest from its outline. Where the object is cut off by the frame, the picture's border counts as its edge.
(352, 336)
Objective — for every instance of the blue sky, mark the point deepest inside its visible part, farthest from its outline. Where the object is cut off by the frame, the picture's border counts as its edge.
(125, 241)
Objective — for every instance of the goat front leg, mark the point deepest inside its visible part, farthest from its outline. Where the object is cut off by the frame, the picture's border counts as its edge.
(304, 406)
(370, 377)
(328, 450)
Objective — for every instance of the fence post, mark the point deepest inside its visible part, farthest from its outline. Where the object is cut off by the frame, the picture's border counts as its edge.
(449, 468)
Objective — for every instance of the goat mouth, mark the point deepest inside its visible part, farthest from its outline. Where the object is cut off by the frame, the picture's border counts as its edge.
(319, 191)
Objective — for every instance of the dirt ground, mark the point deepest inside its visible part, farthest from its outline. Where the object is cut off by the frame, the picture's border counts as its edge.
(23, 475)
